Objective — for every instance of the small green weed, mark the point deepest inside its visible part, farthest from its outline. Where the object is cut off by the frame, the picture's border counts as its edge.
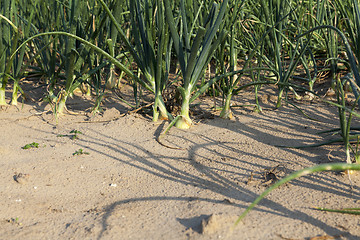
(75, 134)
(31, 145)
(80, 152)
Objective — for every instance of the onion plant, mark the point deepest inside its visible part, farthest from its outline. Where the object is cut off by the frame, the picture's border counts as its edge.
(81, 64)
(352, 61)
(24, 21)
(70, 54)
(12, 30)
(47, 48)
(91, 46)
(345, 114)
(281, 52)
(350, 18)
(271, 65)
(328, 16)
(112, 41)
(194, 54)
(345, 118)
(8, 45)
(64, 61)
(153, 45)
(152, 49)
(227, 54)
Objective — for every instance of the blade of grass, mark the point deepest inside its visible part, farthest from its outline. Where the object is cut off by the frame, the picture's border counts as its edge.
(297, 174)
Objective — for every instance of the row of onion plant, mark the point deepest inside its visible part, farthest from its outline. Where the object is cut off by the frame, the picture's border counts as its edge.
(139, 31)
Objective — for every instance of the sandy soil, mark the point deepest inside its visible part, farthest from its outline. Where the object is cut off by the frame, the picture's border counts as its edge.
(126, 185)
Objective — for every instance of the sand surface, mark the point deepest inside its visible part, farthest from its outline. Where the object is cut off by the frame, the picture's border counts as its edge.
(125, 185)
